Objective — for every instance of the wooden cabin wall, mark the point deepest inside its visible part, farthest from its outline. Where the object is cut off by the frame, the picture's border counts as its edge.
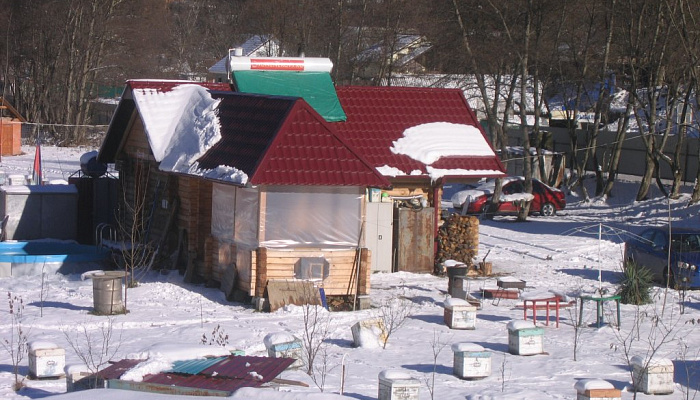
(195, 218)
(270, 264)
(157, 189)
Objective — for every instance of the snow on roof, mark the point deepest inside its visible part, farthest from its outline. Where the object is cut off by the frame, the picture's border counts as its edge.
(160, 357)
(428, 142)
(178, 142)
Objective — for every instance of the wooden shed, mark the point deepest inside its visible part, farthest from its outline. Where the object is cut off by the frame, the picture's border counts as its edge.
(10, 129)
(250, 188)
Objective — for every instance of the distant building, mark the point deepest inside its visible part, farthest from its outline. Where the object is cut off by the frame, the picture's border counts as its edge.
(254, 46)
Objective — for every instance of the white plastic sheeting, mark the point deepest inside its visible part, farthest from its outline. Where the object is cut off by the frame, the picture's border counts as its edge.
(293, 217)
(312, 216)
(235, 215)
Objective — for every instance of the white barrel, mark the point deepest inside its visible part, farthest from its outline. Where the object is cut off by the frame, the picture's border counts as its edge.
(306, 64)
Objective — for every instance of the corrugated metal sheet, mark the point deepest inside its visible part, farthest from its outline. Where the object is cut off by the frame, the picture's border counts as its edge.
(315, 87)
(118, 369)
(220, 376)
(378, 116)
(262, 369)
(193, 367)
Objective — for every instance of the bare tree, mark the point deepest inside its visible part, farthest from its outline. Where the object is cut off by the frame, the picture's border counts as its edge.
(437, 344)
(317, 325)
(649, 334)
(16, 344)
(94, 347)
(394, 314)
(134, 221)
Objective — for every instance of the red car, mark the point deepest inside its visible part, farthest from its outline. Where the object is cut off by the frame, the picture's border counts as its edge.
(546, 200)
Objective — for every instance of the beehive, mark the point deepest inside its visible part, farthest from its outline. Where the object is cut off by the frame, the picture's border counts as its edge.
(653, 376)
(397, 385)
(284, 345)
(524, 338)
(459, 314)
(46, 360)
(78, 377)
(471, 361)
(596, 389)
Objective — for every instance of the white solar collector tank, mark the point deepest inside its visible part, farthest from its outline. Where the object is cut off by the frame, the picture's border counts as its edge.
(306, 64)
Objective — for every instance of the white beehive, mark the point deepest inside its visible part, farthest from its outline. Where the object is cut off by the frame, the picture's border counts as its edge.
(653, 376)
(524, 338)
(397, 385)
(471, 361)
(596, 389)
(78, 377)
(46, 360)
(284, 345)
(459, 314)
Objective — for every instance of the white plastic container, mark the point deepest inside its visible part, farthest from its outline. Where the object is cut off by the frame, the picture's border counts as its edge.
(398, 385)
(471, 361)
(46, 360)
(596, 389)
(524, 338)
(653, 376)
(284, 345)
(459, 314)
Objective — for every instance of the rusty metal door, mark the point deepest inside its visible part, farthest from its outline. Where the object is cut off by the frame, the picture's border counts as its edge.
(414, 237)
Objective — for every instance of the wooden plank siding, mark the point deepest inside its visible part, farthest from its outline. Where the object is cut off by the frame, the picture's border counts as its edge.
(271, 264)
(138, 167)
(195, 218)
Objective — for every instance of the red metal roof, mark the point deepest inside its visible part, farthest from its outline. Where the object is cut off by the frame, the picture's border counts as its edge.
(283, 141)
(229, 374)
(275, 140)
(378, 116)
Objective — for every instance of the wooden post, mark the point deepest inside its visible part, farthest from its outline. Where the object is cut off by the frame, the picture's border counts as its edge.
(260, 271)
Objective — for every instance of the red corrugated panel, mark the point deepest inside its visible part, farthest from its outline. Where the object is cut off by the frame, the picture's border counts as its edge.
(241, 367)
(118, 369)
(230, 374)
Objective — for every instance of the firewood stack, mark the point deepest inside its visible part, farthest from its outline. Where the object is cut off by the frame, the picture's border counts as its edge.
(458, 239)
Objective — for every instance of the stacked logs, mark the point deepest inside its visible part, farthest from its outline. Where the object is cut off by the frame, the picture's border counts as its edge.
(458, 239)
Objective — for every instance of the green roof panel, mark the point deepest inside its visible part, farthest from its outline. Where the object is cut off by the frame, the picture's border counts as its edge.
(316, 88)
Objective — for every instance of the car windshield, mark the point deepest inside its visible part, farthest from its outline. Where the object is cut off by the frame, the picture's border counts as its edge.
(686, 242)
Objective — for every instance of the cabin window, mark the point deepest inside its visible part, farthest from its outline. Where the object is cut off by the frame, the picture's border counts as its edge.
(311, 268)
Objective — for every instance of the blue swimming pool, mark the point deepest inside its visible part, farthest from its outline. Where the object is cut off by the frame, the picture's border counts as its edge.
(35, 257)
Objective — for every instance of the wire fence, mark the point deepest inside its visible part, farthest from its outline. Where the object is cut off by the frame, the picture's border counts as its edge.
(63, 135)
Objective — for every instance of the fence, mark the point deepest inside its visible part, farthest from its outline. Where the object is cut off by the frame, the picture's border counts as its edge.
(632, 156)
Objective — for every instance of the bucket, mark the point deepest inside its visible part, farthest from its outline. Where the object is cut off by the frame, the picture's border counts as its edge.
(107, 292)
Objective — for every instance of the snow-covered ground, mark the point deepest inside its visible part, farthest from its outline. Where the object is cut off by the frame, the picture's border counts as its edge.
(562, 253)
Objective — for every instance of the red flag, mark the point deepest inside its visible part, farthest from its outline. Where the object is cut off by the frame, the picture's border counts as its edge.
(36, 171)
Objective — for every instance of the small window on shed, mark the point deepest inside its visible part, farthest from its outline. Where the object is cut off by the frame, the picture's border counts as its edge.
(311, 268)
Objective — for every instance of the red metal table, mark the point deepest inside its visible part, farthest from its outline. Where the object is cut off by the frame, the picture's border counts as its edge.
(545, 301)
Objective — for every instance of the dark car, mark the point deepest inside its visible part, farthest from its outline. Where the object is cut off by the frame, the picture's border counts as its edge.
(546, 200)
(651, 250)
